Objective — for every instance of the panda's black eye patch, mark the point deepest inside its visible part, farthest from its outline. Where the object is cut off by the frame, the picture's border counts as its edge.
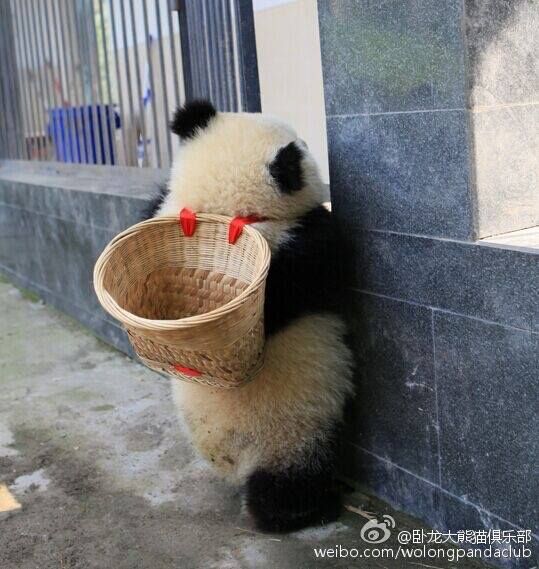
(286, 168)
(195, 115)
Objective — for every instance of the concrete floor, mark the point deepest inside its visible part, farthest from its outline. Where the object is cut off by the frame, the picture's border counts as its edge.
(92, 451)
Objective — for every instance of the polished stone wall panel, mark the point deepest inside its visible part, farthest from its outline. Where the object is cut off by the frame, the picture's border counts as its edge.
(414, 181)
(402, 172)
(396, 412)
(479, 281)
(381, 56)
(488, 392)
(437, 507)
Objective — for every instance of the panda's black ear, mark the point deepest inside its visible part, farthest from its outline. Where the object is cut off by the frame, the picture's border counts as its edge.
(286, 168)
(191, 118)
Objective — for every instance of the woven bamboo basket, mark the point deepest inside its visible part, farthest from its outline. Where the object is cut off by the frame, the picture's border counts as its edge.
(193, 306)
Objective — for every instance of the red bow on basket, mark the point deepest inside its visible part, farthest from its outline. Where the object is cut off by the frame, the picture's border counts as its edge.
(188, 221)
(187, 370)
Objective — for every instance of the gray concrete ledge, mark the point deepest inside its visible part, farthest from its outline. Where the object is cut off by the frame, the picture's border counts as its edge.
(55, 219)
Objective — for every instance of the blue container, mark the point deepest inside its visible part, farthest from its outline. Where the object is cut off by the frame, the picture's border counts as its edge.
(75, 138)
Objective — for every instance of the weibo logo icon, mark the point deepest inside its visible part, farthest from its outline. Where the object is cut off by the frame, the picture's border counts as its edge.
(377, 532)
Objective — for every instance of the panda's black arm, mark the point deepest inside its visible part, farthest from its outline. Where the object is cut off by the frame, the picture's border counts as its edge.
(303, 276)
(155, 203)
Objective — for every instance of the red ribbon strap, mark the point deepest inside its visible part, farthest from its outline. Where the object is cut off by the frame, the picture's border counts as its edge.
(188, 221)
(187, 370)
(236, 226)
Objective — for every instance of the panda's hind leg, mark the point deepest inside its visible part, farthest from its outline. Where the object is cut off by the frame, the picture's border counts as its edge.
(293, 498)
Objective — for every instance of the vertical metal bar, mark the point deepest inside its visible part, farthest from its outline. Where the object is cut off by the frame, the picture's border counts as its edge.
(185, 46)
(221, 48)
(56, 96)
(228, 53)
(76, 109)
(118, 81)
(62, 83)
(205, 59)
(102, 134)
(4, 113)
(235, 55)
(71, 83)
(75, 106)
(39, 73)
(5, 150)
(152, 87)
(224, 53)
(47, 93)
(110, 124)
(25, 92)
(4, 153)
(4, 116)
(86, 16)
(198, 49)
(211, 59)
(25, 50)
(163, 77)
(14, 84)
(173, 59)
(4, 131)
(213, 33)
(81, 16)
(81, 107)
(68, 122)
(34, 96)
(5, 99)
(209, 66)
(10, 105)
(110, 119)
(12, 108)
(25, 77)
(127, 65)
(246, 46)
(139, 83)
(92, 64)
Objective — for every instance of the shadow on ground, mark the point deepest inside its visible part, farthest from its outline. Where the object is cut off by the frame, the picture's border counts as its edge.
(92, 450)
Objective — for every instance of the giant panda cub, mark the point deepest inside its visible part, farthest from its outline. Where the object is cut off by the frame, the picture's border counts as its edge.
(277, 435)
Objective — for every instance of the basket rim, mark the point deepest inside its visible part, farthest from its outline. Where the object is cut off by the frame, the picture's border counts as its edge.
(132, 320)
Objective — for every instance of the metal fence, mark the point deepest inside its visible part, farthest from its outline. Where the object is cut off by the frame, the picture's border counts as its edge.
(96, 81)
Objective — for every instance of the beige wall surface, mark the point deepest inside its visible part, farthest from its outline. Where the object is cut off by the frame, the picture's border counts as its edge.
(290, 69)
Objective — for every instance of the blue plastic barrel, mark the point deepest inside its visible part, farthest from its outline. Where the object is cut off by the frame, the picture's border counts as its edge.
(74, 135)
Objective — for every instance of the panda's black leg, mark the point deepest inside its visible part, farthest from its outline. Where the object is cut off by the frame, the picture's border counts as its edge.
(293, 498)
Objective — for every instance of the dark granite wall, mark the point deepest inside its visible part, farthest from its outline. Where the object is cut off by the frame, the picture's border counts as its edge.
(55, 219)
(446, 329)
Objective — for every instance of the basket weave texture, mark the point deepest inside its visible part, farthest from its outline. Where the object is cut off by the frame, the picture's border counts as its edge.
(193, 307)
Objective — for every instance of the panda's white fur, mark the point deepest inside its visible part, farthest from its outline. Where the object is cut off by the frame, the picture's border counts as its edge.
(286, 414)
(304, 382)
